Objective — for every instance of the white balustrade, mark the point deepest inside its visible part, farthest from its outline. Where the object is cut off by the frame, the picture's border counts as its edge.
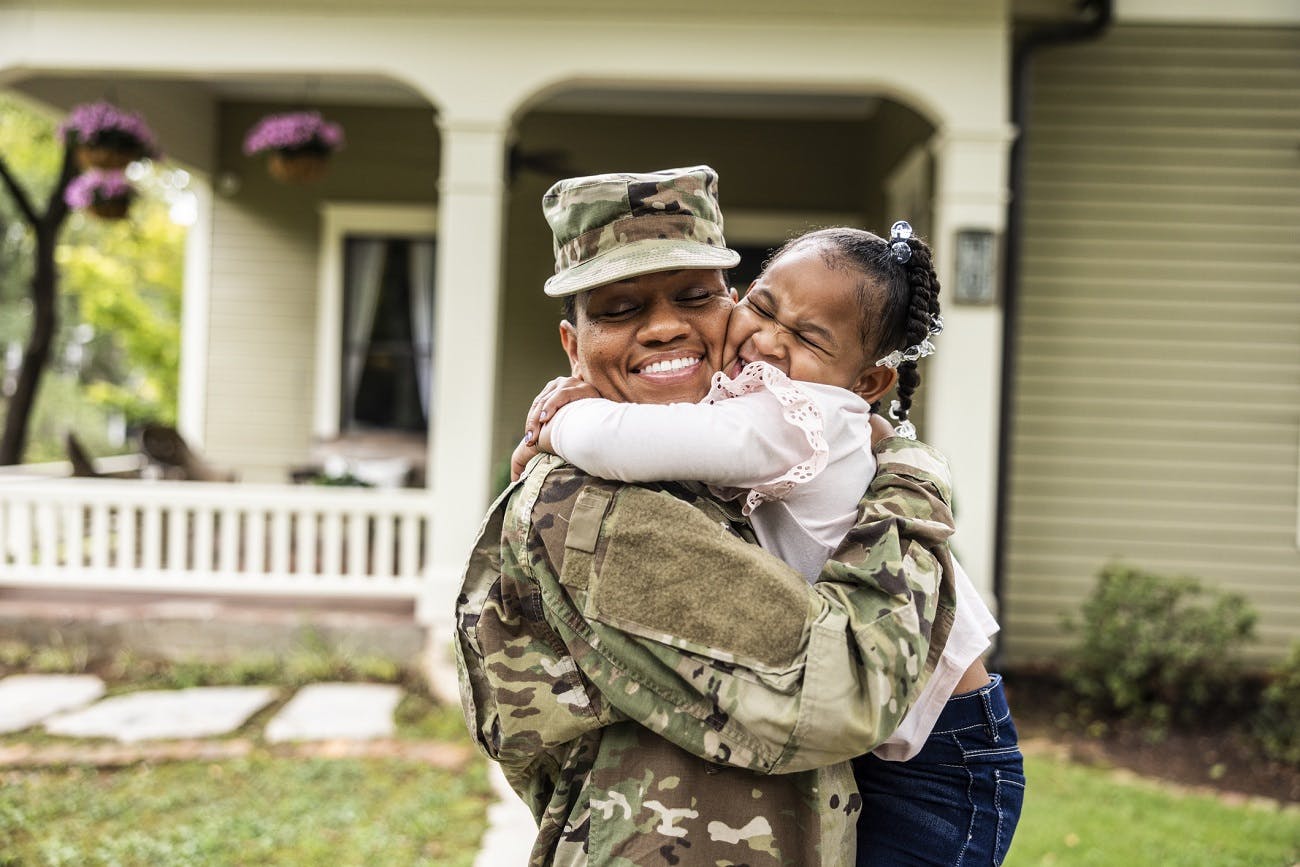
(214, 537)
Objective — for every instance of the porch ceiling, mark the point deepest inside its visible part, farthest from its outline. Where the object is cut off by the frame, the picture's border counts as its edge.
(682, 102)
(950, 11)
(352, 90)
(253, 87)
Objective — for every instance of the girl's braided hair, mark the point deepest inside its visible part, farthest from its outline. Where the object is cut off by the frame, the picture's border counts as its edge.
(898, 303)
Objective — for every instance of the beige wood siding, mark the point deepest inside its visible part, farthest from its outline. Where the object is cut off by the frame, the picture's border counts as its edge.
(265, 244)
(1158, 382)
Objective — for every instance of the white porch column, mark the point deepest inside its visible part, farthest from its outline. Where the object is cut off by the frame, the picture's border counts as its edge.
(192, 412)
(964, 376)
(468, 281)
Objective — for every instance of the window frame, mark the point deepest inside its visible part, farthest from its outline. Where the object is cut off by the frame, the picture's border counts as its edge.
(338, 222)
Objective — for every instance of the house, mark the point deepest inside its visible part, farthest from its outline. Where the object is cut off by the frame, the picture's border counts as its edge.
(1129, 389)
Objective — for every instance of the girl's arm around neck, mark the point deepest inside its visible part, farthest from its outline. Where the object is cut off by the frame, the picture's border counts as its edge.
(741, 442)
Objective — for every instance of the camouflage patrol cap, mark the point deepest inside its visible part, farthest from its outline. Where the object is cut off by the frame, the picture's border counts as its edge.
(615, 226)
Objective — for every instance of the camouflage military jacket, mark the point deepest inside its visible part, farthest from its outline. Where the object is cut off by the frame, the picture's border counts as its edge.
(660, 690)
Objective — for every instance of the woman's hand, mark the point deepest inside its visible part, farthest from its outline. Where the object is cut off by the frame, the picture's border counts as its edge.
(537, 436)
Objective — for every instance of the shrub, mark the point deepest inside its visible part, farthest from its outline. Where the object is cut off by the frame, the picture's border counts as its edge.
(1158, 650)
(14, 654)
(377, 669)
(60, 657)
(258, 668)
(1278, 723)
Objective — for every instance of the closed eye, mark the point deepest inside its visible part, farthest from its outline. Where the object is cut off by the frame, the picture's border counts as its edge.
(809, 342)
(621, 312)
(800, 335)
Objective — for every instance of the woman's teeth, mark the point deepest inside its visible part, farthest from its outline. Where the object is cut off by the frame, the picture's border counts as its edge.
(668, 366)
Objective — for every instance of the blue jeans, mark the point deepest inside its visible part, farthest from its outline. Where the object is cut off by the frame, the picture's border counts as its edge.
(954, 804)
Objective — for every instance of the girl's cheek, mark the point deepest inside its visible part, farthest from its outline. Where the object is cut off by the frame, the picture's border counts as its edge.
(738, 329)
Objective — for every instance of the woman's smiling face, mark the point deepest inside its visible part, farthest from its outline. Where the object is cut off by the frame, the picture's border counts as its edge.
(656, 338)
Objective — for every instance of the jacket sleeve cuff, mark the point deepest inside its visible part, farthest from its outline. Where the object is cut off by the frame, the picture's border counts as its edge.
(914, 459)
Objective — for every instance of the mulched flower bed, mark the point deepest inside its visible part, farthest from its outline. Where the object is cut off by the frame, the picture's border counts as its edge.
(1219, 755)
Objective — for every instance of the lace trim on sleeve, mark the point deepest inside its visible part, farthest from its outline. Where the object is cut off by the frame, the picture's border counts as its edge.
(797, 408)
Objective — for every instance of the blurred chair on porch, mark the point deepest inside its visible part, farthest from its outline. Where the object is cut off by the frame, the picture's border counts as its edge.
(165, 447)
(377, 458)
(83, 465)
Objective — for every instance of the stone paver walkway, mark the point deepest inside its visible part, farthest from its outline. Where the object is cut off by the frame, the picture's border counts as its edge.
(26, 699)
(202, 711)
(336, 711)
(511, 827)
(69, 705)
(328, 719)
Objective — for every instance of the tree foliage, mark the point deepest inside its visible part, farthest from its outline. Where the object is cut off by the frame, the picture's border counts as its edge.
(121, 278)
(125, 281)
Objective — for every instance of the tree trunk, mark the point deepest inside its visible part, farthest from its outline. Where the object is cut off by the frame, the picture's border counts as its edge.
(36, 354)
(45, 285)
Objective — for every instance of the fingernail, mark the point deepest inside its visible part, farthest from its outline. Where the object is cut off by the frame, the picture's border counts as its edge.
(542, 416)
(528, 438)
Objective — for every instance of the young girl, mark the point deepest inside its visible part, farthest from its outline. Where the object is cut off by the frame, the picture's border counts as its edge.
(836, 319)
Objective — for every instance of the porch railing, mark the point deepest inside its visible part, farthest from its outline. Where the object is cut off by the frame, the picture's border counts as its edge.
(121, 466)
(214, 537)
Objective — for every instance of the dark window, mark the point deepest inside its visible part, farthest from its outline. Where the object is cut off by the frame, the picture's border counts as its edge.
(752, 259)
(387, 333)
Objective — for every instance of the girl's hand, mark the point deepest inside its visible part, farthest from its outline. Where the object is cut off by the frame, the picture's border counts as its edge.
(554, 395)
(557, 393)
(519, 459)
(880, 429)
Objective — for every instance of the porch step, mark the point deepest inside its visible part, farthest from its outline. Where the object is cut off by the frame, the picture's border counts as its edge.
(212, 628)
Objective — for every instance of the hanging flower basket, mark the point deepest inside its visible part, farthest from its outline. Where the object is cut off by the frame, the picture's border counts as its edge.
(111, 209)
(106, 137)
(298, 167)
(106, 193)
(299, 145)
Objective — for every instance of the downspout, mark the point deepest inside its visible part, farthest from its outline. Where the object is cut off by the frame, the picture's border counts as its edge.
(1096, 19)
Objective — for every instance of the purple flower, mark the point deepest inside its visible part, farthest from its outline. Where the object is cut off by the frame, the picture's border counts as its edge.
(294, 131)
(102, 124)
(97, 185)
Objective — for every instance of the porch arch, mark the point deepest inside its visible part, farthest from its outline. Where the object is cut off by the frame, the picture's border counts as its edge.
(915, 160)
(788, 161)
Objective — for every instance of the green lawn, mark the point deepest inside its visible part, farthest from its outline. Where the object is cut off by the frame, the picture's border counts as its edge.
(335, 812)
(259, 810)
(1082, 816)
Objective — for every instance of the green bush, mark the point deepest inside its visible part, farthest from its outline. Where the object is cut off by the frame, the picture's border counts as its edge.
(255, 669)
(14, 654)
(1278, 723)
(60, 657)
(1158, 650)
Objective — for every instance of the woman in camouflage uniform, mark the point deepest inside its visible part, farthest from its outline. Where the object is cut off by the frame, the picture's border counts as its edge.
(657, 688)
